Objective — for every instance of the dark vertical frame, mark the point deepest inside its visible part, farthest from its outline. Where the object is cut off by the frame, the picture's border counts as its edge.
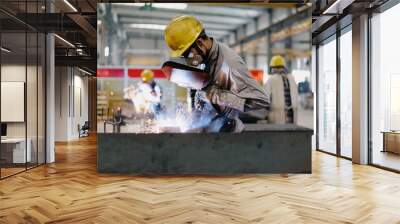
(37, 90)
(80, 102)
(73, 91)
(317, 97)
(338, 93)
(369, 79)
(26, 86)
(69, 91)
(44, 79)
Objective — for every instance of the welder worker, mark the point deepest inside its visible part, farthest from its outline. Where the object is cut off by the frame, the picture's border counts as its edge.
(221, 77)
(150, 91)
(282, 90)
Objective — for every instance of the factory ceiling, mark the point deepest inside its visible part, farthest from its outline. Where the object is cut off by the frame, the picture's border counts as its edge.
(328, 16)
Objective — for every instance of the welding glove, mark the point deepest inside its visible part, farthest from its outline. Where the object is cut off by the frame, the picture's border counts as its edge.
(228, 126)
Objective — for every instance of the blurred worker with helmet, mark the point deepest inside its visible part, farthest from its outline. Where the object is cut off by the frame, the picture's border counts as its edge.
(218, 73)
(282, 90)
(150, 91)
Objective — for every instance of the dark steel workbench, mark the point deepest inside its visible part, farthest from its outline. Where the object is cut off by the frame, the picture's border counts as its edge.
(261, 148)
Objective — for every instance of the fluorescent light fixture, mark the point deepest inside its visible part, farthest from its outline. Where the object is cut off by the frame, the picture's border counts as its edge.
(65, 41)
(147, 26)
(5, 50)
(338, 6)
(86, 72)
(70, 5)
(178, 6)
(106, 51)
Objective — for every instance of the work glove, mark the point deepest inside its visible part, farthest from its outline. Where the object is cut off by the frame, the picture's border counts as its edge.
(228, 126)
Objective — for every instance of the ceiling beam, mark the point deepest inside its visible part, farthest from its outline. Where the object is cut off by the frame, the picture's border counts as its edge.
(203, 10)
(287, 22)
(128, 11)
(216, 25)
(160, 33)
(208, 31)
(82, 61)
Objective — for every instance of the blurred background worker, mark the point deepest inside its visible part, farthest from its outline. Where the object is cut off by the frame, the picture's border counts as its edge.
(150, 91)
(282, 89)
(305, 94)
(227, 85)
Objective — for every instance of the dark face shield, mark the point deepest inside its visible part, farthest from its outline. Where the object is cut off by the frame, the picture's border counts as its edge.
(184, 75)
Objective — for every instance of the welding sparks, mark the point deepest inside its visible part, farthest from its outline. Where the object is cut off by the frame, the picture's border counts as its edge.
(184, 122)
(180, 120)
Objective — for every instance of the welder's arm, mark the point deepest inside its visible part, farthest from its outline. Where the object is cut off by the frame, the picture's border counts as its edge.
(254, 104)
(225, 99)
(247, 88)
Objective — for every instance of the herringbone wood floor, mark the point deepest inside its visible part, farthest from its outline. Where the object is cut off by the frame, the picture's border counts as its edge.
(71, 191)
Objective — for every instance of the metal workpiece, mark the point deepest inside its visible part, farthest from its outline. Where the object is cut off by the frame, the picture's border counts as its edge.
(259, 149)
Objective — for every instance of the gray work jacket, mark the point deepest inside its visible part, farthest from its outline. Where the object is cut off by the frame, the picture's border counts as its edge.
(232, 89)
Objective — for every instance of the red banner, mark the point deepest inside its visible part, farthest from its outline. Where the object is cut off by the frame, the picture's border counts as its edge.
(110, 72)
(135, 73)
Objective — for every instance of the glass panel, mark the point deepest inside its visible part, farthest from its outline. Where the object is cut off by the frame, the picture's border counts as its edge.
(32, 87)
(41, 99)
(31, 100)
(13, 86)
(327, 97)
(346, 94)
(385, 86)
(22, 78)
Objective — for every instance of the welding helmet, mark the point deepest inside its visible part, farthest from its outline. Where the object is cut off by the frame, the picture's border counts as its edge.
(178, 71)
(147, 75)
(181, 33)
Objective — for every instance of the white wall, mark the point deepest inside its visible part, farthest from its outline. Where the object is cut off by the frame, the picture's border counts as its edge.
(71, 94)
(33, 126)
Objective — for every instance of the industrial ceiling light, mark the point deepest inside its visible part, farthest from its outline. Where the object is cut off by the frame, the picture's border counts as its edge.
(106, 51)
(337, 7)
(147, 26)
(86, 72)
(65, 41)
(5, 50)
(178, 6)
(70, 5)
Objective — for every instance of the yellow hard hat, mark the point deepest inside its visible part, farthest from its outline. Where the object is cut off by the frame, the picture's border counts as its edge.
(181, 33)
(147, 75)
(277, 61)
